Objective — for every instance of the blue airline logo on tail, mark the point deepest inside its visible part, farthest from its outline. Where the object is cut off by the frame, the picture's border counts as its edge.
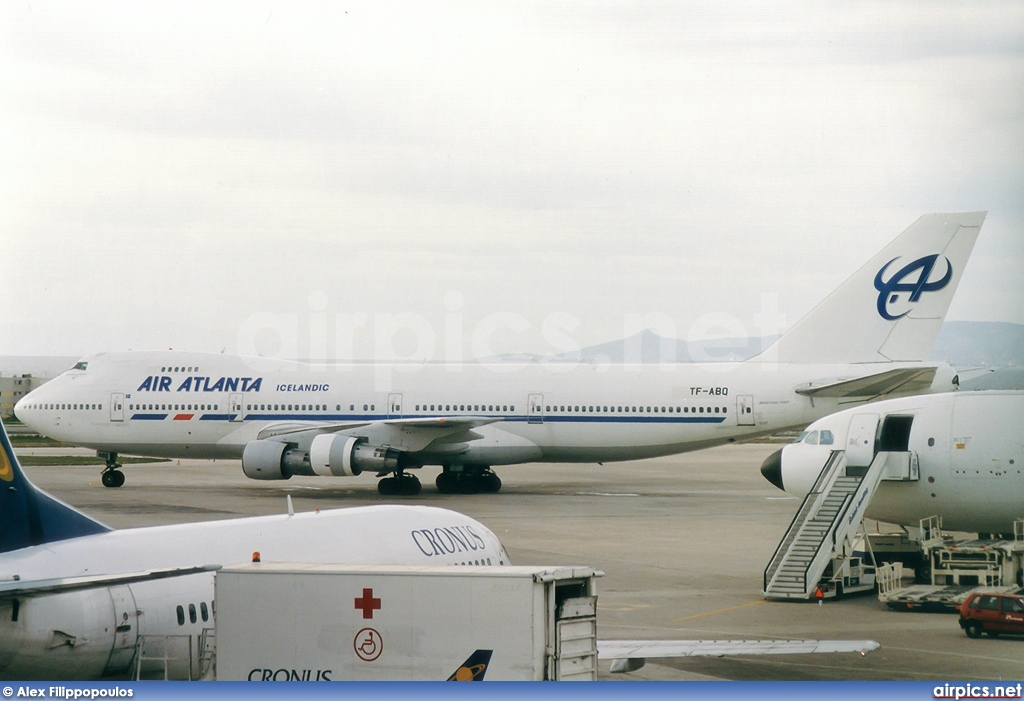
(888, 289)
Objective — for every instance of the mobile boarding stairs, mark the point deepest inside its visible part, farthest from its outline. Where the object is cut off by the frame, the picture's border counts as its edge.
(815, 558)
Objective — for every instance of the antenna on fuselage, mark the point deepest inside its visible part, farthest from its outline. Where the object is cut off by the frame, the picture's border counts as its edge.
(291, 509)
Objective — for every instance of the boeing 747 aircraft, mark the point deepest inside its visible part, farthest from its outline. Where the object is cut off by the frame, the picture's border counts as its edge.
(869, 339)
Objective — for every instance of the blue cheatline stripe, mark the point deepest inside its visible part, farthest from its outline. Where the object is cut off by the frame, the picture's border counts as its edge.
(635, 419)
(581, 418)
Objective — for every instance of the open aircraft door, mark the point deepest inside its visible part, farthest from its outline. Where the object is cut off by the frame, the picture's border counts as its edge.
(117, 406)
(860, 441)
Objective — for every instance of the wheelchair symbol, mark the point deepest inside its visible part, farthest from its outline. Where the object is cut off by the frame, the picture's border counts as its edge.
(368, 644)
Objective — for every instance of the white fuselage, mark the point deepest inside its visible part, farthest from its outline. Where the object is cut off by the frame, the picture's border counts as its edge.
(93, 632)
(176, 404)
(970, 452)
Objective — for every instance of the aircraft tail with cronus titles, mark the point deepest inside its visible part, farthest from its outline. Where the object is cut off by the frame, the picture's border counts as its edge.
(892, 308)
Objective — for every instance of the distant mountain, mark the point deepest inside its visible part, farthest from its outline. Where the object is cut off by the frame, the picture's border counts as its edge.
(1001, 378)
(649, 347)
(990, 344)
(962, 344)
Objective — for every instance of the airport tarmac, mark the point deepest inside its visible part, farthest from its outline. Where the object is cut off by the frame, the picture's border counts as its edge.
(683, 542)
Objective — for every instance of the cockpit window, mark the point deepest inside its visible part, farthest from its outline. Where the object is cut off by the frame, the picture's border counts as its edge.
(811, 438)
(81, 366)
(825, 438)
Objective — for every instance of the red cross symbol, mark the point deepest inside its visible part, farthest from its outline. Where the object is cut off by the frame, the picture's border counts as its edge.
(367, 603)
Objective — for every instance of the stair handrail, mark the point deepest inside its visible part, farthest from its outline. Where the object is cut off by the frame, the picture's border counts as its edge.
(814, 493)
(877, 478)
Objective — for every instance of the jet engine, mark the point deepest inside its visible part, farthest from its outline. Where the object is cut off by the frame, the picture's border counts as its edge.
(330, 455)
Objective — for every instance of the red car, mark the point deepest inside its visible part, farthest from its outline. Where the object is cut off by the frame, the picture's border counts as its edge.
(993, 614)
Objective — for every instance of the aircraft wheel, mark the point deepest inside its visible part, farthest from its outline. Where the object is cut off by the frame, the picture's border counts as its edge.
(446, 483)
(386, 487)
(490, 483)
(112, 479)
(410, 485)
(469, 483)
(973, 629)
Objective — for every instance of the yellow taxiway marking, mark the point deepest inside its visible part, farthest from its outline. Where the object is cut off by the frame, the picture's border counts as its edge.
(712, 613)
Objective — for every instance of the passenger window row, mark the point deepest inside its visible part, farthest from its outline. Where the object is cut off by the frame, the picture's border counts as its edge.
(204, 612)
(591, 409)
(179, 369)
(65, 407)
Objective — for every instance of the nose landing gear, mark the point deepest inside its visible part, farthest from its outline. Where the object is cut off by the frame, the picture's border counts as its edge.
(111, 477)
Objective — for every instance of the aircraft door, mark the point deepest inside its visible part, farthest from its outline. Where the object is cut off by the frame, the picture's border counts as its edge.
(860, 441)
(744, 410)
(117, 406)
(535, 409)
(237, 408)
(394, 406)
(126, 630)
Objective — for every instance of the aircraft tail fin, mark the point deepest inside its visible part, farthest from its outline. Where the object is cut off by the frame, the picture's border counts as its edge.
(891, 309)
(474, 668)
(30, 516)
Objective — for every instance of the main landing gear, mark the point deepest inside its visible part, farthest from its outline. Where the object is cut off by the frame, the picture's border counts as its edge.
(468, 480)
(111, 477)
(399, 485)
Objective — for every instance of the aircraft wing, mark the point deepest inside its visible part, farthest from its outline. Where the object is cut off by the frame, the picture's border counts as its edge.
(630, 655)
(411, 434)
(903, 380)
(17, 588)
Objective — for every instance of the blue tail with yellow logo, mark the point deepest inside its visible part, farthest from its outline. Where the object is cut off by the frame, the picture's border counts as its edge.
(474, 668)
(28, 515)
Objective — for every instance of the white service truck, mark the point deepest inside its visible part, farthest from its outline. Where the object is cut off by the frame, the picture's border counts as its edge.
(278, 621)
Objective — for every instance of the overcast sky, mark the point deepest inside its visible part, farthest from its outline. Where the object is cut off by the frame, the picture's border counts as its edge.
(331, 179)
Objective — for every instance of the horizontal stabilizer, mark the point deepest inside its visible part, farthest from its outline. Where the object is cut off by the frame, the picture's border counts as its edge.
(17, 588)
(901, 380)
